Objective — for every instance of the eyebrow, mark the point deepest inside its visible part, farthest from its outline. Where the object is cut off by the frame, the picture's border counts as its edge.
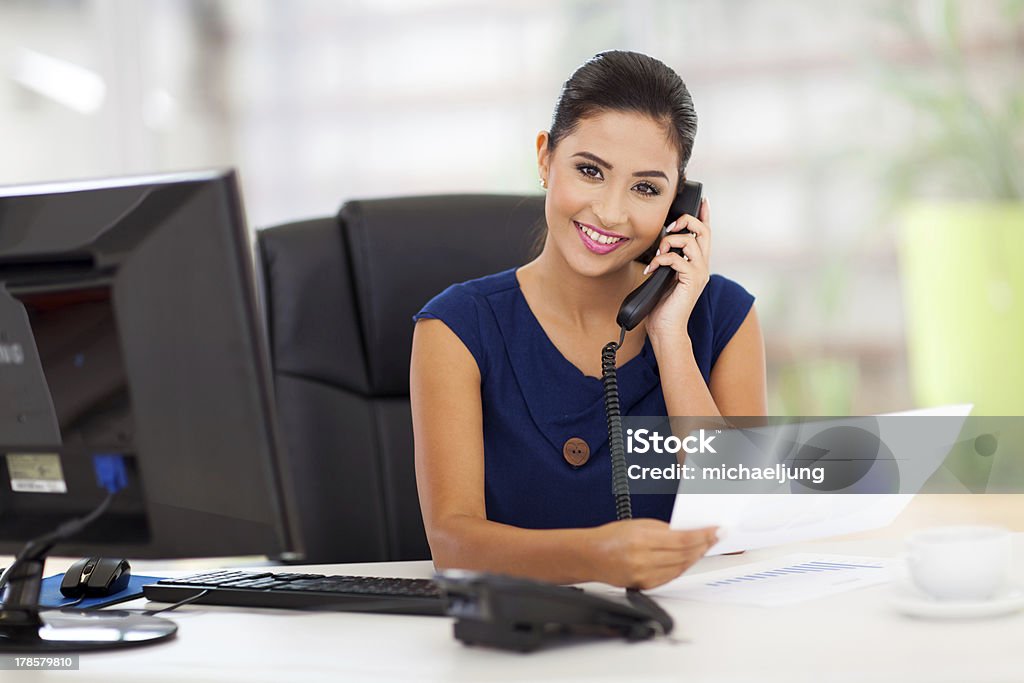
(638, 174)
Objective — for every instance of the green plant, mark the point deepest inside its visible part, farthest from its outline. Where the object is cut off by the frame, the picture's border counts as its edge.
(966, 143)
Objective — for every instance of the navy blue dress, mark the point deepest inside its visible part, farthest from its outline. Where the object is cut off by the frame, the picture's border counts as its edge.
(534, 400)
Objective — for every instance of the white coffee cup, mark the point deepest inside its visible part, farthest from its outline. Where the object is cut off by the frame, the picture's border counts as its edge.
(960, 562)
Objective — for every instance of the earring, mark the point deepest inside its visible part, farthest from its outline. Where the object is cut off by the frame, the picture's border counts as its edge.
(544, 183)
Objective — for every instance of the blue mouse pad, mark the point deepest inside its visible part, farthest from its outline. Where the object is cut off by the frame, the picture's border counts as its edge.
(50, 595)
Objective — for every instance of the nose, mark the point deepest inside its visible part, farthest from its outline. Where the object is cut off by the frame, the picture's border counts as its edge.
(609, 211)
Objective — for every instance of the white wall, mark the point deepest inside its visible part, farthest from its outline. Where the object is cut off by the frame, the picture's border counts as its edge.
(318, 102)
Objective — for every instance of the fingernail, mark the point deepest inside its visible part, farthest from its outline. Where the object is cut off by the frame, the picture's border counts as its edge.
(658, 252)
(671, 226)
(647, 269)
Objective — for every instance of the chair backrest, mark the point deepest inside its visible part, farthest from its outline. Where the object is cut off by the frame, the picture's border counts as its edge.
(340, 294)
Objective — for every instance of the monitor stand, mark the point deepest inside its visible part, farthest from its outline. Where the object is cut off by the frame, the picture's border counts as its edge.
(26, 627)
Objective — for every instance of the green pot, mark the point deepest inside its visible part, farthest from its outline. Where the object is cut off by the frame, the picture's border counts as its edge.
(963, 282)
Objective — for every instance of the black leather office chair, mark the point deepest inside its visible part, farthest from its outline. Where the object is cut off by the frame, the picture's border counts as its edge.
(340, 294)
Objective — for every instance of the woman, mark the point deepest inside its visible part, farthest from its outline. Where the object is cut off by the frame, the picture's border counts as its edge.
(512, 461)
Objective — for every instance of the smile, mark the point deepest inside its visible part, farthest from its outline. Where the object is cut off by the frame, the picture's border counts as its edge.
(597, 241)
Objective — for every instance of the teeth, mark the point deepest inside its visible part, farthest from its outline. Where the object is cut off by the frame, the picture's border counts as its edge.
(598, 237)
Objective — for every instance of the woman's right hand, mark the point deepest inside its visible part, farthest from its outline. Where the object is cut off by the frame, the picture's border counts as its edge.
(644, 553)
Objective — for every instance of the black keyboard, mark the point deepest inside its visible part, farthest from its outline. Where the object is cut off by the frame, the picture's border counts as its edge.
(304, 591)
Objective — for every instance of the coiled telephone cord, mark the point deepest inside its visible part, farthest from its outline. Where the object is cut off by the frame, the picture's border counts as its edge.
(616, 445)
(620, 482)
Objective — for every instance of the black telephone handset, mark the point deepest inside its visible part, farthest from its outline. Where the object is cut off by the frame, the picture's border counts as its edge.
(641, 301)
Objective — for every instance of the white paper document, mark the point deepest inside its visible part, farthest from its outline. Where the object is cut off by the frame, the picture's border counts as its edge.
(752, 521)
(781, 581)
(748, 521)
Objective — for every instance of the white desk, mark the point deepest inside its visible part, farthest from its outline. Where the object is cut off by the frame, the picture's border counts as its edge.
(850, 637)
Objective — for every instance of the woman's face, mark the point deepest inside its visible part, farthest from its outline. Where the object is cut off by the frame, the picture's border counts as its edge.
(610, 185)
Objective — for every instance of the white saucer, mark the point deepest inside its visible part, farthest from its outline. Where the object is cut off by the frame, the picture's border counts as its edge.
(910, 601)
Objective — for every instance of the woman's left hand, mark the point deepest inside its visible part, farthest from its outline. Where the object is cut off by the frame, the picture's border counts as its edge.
(669, 318)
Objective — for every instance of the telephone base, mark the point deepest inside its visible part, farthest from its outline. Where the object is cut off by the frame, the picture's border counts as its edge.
(523, 615)
(527, 637)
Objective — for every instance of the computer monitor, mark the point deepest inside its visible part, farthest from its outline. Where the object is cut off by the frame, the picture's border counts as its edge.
(130, 333)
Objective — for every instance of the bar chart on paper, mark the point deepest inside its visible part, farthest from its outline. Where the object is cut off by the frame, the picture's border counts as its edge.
(782, 581)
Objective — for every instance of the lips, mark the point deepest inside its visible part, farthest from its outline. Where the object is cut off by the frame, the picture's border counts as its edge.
(599, 241)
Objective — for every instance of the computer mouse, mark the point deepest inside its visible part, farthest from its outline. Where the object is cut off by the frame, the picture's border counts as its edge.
(95, 577)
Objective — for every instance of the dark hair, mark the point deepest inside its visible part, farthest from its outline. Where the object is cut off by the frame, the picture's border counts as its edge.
(625, 82)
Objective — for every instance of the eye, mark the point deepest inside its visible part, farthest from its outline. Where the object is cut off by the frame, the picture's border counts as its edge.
(647, 189)
(589, 171)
